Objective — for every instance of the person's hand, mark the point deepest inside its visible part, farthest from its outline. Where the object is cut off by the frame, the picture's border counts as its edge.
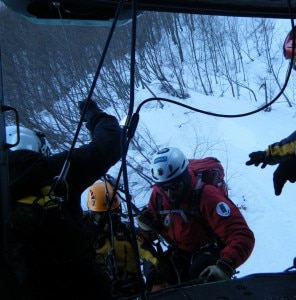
(91, 111)
(147, 221)
(221, 271)
(256, 158)
(286, 171)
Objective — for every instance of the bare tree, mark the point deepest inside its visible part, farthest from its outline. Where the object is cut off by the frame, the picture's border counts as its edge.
(47, 69)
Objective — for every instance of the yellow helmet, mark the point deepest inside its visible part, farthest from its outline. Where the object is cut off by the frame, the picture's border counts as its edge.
(99, 196)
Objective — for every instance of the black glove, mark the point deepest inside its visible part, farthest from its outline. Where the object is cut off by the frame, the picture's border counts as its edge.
(221, 271)
(285, 171)
(147, 221)
(91, 111)
(256, 158)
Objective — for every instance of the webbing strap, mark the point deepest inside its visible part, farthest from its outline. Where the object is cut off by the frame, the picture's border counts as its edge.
(45, 200)
(199, 181)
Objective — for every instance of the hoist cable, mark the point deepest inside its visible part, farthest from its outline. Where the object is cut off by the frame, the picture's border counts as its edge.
(66, 165)
(57, 6)
(132, 122)
(125, 139)
(124, 136)
(136, 115)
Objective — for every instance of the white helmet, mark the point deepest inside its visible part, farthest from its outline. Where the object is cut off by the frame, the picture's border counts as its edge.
(29, 140)
(167, 164)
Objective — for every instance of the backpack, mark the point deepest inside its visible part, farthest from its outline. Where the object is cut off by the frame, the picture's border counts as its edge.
(208, 170)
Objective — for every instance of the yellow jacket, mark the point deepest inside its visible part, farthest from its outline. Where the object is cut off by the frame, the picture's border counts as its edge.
(123, 253)
(280, 151)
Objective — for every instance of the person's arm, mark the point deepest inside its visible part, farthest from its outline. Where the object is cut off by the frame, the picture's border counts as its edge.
(149, 228)
(282, 153)
(105, 132)
(146, 251)
(89, 162)
(155, 280)
(275, 153)
(231, 229)
(282, 150)
(286, 171)
(149, 221)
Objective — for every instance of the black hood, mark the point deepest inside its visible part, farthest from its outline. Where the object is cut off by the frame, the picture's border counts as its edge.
(28, 172)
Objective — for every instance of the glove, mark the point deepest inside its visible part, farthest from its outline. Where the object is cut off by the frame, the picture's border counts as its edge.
(221, 271)
(256, 158)
(285, 171)
(147, 221)
(91, 111)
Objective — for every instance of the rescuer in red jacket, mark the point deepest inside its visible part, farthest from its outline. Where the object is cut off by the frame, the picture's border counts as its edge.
(207, 236)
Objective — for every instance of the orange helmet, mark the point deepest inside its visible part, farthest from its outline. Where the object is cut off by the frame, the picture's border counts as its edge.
(99, 196)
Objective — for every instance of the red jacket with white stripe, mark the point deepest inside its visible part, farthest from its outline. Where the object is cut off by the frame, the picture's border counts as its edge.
(223, 216)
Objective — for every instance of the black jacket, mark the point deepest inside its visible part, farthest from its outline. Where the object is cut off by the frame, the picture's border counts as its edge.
(29, 171)
(51, 253)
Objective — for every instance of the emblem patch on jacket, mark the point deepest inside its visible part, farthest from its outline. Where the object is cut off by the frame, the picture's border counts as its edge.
(223, 209)
(166, 221)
